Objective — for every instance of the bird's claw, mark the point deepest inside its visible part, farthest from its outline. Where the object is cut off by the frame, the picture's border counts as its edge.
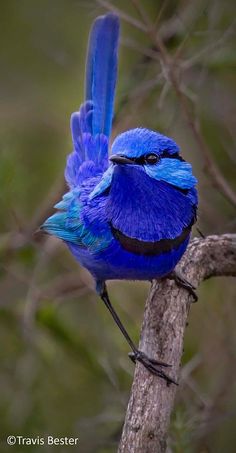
(180, 281)
(154, 366)
(141, 356)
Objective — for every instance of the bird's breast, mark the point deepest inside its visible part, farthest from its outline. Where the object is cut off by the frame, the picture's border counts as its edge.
(146, 215)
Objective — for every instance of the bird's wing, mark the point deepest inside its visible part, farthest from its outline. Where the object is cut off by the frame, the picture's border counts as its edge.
(91, 126)
(70, 223)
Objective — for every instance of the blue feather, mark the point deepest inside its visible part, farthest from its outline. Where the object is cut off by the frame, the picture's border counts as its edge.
(144, 208)
(80, 222)
(91, 126)
(139, 141)
(103, 184)
(101, 71)
(175, 172)
(90, 158)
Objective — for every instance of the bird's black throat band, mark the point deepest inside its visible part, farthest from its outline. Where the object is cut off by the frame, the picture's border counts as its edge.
(150, 248)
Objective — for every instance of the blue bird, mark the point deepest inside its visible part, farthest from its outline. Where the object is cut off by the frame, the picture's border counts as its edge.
(128, 216)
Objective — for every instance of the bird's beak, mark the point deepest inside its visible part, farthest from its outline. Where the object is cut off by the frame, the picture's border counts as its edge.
(119, 159)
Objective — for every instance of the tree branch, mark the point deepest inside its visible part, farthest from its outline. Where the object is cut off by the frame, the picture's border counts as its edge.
(151, 402)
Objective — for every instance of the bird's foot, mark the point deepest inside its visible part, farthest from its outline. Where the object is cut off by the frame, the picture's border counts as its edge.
(200, 233)
(154, 366)
(180, 281)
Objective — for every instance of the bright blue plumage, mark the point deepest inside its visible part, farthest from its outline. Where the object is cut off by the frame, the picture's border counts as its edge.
(130, 218)
(144, 202)
(101, 71)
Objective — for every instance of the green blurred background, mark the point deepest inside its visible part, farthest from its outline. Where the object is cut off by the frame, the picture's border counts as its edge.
(64, 369)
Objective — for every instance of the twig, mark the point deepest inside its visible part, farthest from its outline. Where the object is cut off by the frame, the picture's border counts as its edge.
(210, 48)
(122, 14)
(210, 166)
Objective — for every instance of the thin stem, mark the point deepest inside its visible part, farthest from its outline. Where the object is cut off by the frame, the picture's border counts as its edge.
(210, 166)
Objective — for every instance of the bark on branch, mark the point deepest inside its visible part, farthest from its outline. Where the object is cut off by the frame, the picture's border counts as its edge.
(151, 401)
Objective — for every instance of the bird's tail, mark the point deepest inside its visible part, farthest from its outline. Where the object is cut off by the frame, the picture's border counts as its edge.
(91, 125)
(101, 71)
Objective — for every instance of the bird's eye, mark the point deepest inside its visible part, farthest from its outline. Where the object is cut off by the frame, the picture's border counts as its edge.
(151, 158)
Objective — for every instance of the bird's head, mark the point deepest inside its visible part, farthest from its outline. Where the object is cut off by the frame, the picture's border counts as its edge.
(155, 154)
(142, 146)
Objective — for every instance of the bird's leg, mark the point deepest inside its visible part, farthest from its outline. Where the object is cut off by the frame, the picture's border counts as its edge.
(154, 366)
(180, 281)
